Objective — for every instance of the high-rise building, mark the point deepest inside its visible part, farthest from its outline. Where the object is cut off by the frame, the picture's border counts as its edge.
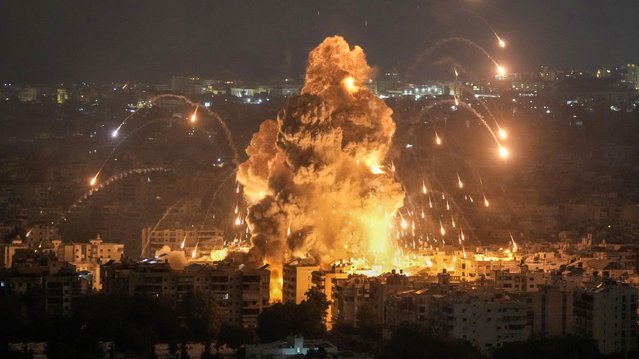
(607, 312)
(487, 319)
(324, 281)
(298, 279)
(242, 293)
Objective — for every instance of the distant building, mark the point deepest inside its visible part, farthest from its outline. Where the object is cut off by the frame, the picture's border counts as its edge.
(520, 281)
(206, 239)
(88, 256)
(42, 235)
(28, 94)
(8, 251)
(187, 85)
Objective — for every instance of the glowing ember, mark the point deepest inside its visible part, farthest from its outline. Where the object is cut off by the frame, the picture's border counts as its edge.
(501, 71)
(486, 203)
(194, 253)
(503, 152)
(502, 134)
(194, 115)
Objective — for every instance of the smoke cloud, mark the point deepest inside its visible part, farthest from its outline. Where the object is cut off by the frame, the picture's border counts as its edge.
(177, 259)
(316, 177)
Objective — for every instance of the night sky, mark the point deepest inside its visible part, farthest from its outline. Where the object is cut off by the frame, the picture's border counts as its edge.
(48, 41)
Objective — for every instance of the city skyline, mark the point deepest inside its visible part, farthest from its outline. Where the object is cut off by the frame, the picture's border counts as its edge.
(146, 41)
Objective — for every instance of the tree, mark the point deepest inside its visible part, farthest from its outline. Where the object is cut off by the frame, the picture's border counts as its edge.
(202, 316)
(233, 335)
(306, 318)
(569, 346)
(414, 341)
(367, 324)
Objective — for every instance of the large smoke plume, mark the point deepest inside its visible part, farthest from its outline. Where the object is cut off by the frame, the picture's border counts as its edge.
(315, 176)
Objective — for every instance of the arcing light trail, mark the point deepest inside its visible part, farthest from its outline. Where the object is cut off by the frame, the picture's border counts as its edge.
(501, 71)
(193, 118)
(503, 152)
(500, 131)
(93, 180)
(500, 42)
(109, 181)
(196, 105)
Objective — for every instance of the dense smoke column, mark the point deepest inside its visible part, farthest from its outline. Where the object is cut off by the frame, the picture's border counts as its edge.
(315, 177)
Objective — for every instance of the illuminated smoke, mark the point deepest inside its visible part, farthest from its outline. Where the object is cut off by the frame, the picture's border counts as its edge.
(316, 177)
(177, 259)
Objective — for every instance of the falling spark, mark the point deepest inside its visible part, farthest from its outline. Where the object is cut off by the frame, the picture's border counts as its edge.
(501, 42)
(288, 231)
(438, 140)
(183, 242)
(194, 115)
(194, 253)
(404, 224)
(441, 229)
(503, 152)
(459, 182)
(502, 134)
(94, 179)
(114, 134)
(486, 203)
(424, 189)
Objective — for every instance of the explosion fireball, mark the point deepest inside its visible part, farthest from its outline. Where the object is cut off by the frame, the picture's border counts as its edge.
(314, 177)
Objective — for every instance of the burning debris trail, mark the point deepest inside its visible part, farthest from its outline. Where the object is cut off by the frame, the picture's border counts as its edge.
(315, 177)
